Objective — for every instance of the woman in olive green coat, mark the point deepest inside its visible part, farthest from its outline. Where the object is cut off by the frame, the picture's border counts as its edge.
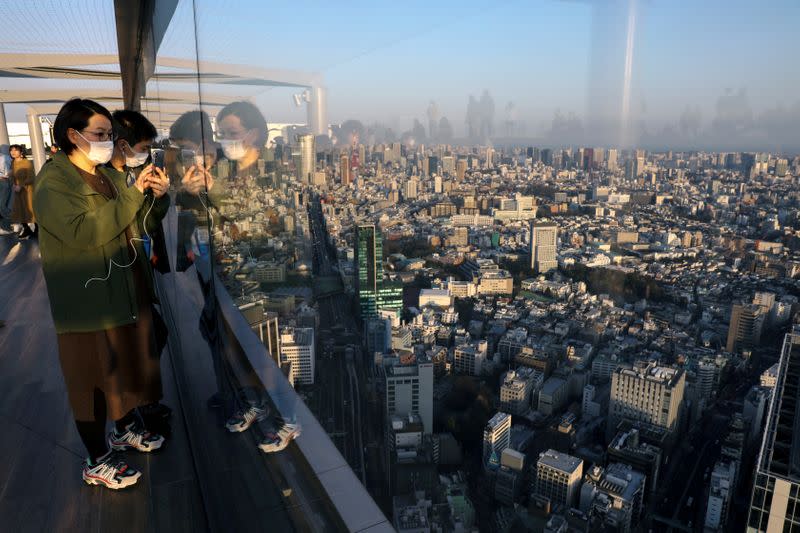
(99, 281)
(22, 175)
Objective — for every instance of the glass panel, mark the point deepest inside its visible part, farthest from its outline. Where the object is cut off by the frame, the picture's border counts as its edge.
(407, 259)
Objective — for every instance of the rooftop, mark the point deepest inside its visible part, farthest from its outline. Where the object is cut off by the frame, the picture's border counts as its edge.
(560, 461)
(650, 371)
(498, 419)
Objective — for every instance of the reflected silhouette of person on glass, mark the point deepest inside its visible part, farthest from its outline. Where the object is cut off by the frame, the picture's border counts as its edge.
(100, 286)
(241, 133)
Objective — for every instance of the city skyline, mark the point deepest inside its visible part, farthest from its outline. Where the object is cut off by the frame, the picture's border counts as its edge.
(715, 75)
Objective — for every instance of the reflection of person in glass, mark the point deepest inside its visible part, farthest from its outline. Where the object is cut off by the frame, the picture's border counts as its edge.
(241, 132)
(100, 287)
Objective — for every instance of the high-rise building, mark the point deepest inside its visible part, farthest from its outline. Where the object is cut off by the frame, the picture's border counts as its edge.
(547, 156)
(265, 325)
(722, 485)
(613, 497)
(558, 477)
(378, 335)
(297, 349)
(307, 158)
(448, 165)
(411, 189)
(781, 167)
(496, 436)
(490, 157)
(588, 159)
(648, 394)
(628, 447)
(369, 268)
(461, 169)
(344, 169)
(515, 391)
(744, 331)
(612, 159)
(468, 358)
(543, 247)
(775, 501)
(409, 390)
(389, 296)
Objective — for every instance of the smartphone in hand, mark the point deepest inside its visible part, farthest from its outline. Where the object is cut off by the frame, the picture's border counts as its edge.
(157, 156)
(188, 158)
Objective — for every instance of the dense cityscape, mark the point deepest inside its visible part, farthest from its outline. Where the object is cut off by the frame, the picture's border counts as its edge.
(523, 338)
(418, 267)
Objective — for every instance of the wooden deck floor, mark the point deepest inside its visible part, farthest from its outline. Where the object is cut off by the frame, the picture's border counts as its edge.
(40, 453)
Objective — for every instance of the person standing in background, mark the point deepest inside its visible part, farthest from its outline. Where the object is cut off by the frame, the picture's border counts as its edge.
(135, 136)
(22, 178)
(5, 191)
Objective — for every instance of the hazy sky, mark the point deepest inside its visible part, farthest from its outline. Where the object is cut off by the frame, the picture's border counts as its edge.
(711, 72)
(385, 61)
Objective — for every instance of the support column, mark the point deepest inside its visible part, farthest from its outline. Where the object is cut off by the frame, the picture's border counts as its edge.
(37, 139)
(318, 111)
(3, 127)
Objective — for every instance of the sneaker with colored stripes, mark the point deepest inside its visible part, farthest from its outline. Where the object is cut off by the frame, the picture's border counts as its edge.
(110, 471)
(246, 417)
(279, 440)
(135, 438)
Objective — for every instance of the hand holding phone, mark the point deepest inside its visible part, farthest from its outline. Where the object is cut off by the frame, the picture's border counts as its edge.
(157, 156)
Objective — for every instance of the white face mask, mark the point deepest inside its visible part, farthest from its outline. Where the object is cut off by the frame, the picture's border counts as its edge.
(100, 152)
(233, 150)
(137, 159)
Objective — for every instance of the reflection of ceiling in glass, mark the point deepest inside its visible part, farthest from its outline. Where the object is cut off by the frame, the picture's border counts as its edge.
(80, 26)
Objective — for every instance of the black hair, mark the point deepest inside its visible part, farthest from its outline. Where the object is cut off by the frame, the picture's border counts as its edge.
(250, 116)
(192, 126)
(19, 147)
(75, 114)
(133, 127)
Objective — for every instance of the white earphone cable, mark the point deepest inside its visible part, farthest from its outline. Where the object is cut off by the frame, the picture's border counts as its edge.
(111, 262)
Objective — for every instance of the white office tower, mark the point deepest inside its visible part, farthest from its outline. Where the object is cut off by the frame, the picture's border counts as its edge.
(496, 437)
(558, 477)
(612, 497)
(647, 393)
(543, 247)
(409, 390)
(297, 349)
(307, 158)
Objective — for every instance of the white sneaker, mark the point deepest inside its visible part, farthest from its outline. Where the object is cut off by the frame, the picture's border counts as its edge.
(244, 418)
(111, 472)
(276, 442)
(135, 438)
